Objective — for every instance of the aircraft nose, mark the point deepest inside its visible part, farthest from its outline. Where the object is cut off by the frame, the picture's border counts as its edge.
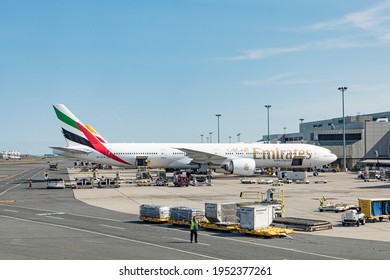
(333, 157)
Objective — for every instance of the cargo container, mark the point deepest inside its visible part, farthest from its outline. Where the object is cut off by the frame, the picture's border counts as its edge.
(221, 212)
(375, 208)
(255, 217)
(184, 214)
(154, 211)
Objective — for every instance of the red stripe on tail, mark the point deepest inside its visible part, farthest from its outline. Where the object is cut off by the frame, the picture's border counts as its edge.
(97, 144)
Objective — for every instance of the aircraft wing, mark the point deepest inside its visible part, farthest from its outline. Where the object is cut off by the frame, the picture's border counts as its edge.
(71, 150)
(203, 157)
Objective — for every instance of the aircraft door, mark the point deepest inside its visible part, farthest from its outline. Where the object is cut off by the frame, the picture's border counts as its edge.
(297, 161)
(163, 154)
(141, 161)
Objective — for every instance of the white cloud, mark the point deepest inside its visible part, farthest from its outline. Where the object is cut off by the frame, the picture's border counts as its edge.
(262, 53)
(337, 43)
(375, 21)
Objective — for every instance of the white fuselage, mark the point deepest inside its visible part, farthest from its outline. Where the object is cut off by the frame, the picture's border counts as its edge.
(169, 156)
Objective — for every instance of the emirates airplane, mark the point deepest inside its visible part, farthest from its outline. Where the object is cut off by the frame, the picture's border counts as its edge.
(85, 143)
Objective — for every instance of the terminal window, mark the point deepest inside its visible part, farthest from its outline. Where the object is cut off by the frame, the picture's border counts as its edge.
(337, 139)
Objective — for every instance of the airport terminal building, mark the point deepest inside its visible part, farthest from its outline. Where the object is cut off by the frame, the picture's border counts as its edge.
(367, 138)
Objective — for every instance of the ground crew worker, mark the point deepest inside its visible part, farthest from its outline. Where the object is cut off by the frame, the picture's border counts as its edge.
(117, 178)
(30, 184)
(194, 229)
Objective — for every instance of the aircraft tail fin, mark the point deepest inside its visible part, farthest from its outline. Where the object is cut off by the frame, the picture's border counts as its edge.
(76, 133)
(94, 132)
(72, 128)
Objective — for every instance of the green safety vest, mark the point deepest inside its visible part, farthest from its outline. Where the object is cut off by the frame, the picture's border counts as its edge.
(193, 226)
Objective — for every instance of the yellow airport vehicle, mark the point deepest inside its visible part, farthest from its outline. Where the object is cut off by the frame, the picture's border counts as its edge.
(220, 226)
(268, 231)
(375, 208)
(179, 223)
(272, 196)
(53, 166)
(154, 220)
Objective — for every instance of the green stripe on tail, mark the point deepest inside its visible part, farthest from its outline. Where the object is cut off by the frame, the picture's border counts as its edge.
(64, 118)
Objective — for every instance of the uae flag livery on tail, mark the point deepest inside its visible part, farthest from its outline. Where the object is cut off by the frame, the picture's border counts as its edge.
(76, 133)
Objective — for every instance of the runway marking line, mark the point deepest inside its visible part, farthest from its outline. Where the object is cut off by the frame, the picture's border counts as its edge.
(50, 214)
(22, 182)
(53, 217)
(77, 215)
(112, 227)
(113, 236)
(253, 243)
(9, 210)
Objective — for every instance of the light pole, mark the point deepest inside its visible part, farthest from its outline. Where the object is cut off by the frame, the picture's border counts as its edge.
(238, 137)
(268, 106)
(344, 155)
(230, 139)
(284, 135)
(218, 115)
(211, 140)
(201, 138)
(301, 120)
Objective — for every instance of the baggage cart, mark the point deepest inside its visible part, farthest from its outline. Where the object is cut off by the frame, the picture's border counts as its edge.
(375, 208)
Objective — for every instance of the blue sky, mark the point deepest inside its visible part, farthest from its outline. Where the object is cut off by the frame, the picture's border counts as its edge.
(159, 71)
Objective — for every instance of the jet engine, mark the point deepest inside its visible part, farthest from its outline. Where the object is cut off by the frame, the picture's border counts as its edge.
(241, 166)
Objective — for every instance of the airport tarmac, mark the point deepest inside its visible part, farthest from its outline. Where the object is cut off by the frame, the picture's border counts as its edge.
(39, 223)
(301, 200)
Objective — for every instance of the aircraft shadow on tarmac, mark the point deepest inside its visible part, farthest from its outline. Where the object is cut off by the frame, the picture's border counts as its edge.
(139, 222)
(27, 181)
(185, 228)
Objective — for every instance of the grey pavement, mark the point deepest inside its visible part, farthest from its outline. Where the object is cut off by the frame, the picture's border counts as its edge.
(103, 224)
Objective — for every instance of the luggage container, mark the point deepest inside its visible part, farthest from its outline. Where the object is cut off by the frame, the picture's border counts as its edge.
(154, 213)
(221, 212)
(293, 175)
(255, 217)
(375, 208)
(182, 215)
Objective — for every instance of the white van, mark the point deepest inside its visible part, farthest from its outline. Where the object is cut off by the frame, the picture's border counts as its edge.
(56, 183)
